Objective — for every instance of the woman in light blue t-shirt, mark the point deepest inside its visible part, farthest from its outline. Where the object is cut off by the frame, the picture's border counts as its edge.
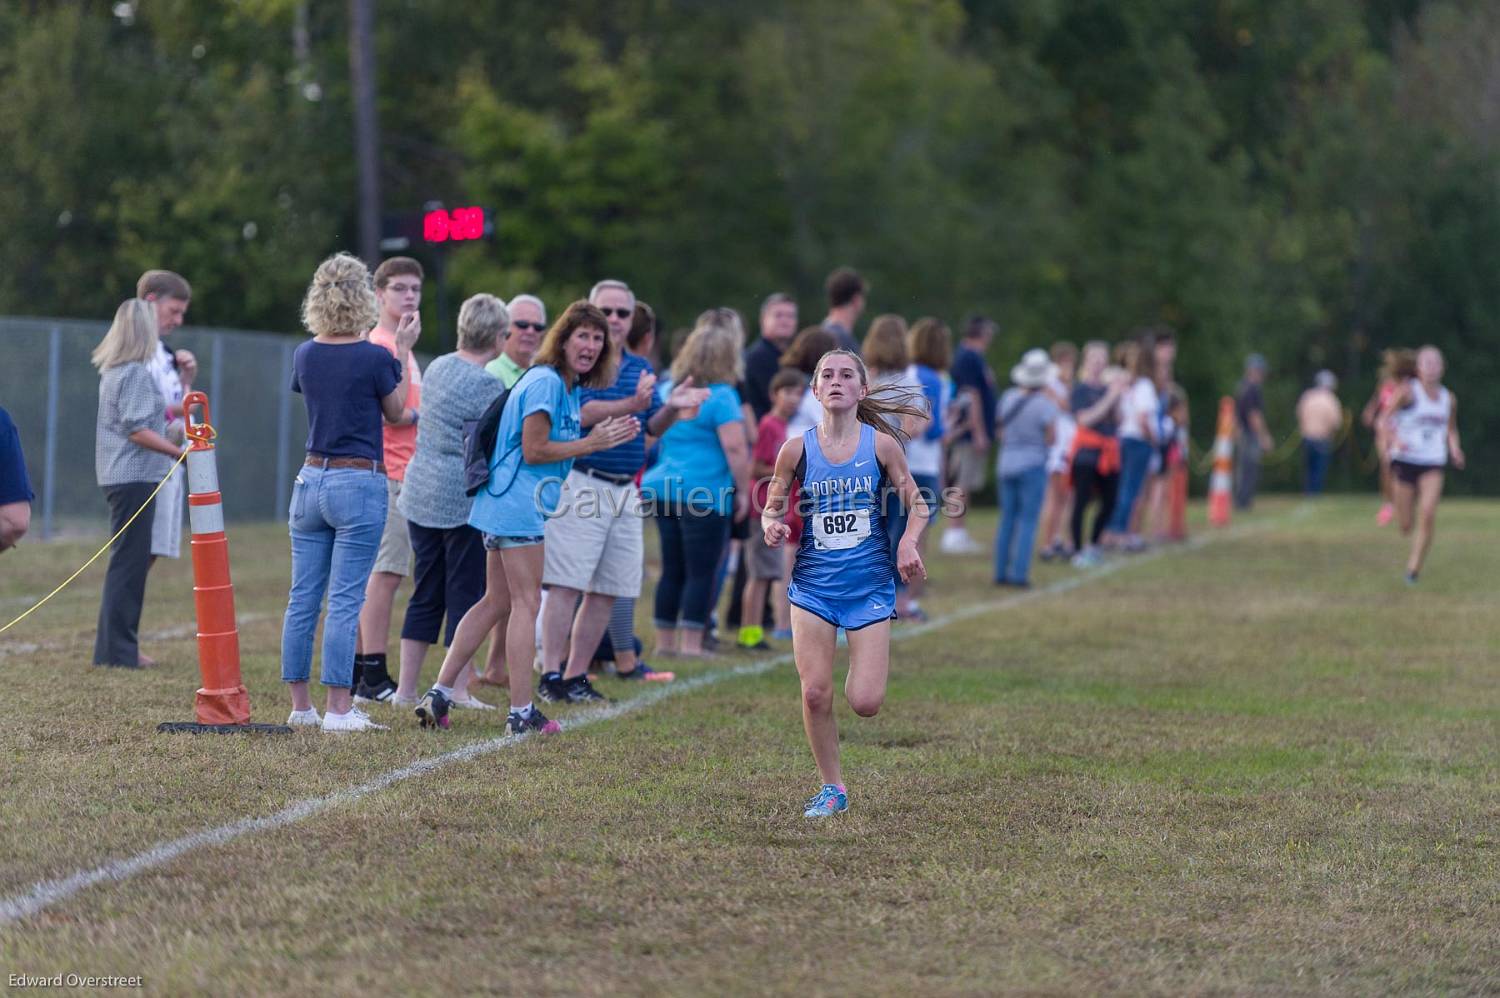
(540, 434)
(701, 480)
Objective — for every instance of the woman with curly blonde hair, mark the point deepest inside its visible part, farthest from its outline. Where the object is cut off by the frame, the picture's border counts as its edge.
(339, 500)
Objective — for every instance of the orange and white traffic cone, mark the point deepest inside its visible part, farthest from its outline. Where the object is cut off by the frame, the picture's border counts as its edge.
(1177, 497)
(222, 704)
(1221, 482)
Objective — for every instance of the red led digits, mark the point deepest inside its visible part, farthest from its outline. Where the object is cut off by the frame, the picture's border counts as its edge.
(458, 225)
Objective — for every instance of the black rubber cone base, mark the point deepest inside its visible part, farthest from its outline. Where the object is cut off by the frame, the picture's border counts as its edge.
(194, 728)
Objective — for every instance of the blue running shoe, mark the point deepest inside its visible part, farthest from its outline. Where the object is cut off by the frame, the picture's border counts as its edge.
(829, 801)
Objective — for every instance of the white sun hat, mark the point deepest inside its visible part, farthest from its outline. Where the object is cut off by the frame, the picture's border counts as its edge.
(1035, 369)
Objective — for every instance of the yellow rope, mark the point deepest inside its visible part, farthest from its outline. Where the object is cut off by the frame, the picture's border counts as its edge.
(100, 552)
(1289, 447)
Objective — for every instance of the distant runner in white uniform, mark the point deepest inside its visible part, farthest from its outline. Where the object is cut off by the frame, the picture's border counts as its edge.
(1424, 415)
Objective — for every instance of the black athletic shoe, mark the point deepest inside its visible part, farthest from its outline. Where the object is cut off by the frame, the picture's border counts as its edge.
(432, 709)
(552, 688)
(580, 690)
(381, 691)
(644, 673)
(536, 722)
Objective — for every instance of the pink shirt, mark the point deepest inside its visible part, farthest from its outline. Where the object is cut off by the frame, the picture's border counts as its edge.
(400, 441)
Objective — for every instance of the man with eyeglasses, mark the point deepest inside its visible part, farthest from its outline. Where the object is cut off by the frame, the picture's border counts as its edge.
(528, 321)
(594, 545)
(398, 292)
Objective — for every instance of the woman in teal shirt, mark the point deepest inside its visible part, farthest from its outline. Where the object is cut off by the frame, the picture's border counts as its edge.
(539, 436)
(701, 479)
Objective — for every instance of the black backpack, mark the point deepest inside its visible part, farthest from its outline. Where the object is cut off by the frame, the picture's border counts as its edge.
(479, 443)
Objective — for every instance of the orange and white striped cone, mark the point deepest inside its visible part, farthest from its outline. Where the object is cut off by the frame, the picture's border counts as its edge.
(1177, 497)
(1221, 482)
(223, 704)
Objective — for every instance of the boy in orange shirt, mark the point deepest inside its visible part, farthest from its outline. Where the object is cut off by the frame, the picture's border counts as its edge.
(398, 290)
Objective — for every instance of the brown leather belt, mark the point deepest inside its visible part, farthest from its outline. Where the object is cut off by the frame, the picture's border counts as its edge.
(362, 463)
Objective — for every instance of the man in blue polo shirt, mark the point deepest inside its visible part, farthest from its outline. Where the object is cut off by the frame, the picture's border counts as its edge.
(15, 485)
(594, 544)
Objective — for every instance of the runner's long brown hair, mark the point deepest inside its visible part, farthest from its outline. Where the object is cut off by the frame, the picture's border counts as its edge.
(880, 401)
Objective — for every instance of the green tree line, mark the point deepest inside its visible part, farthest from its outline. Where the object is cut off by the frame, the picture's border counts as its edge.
(1315, 180)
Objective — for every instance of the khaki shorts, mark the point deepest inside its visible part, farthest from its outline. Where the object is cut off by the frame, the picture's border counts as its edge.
(394, 555)
(595, 544)
(969, 467)
(761, 562)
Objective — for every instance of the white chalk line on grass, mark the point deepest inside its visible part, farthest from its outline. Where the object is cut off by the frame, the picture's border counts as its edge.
(46, 893)
(164, 634)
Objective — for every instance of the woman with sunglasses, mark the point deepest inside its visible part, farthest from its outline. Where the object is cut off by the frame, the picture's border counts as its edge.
(539, 436)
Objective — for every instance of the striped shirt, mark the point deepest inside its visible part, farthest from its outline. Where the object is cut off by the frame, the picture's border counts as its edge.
(129, 400)
(629, 457)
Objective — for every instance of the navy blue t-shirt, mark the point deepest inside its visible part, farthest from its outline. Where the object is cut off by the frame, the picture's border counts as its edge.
(343, 385)
(970, 371)
(15, 486)
(762, 361)
(1086, 396)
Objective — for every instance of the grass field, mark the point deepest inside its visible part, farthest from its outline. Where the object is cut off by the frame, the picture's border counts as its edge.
(1255, 764)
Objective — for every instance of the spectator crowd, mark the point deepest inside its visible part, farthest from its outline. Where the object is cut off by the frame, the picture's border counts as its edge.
(593, 435)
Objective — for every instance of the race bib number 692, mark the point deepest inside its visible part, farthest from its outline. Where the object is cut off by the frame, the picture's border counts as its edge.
(840, 531)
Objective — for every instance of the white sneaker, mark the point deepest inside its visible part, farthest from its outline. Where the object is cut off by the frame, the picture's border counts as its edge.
(471, 702)
(304, 718)
(355, 720)
(958, 541)
(397, 700)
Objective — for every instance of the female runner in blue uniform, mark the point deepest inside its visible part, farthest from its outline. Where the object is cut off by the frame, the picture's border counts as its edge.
(844, 576)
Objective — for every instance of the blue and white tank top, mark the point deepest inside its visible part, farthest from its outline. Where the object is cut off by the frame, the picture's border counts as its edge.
(844, 551)
(1422, 428)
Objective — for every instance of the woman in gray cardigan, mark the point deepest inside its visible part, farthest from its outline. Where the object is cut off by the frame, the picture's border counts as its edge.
(449, 554)
(131, 456)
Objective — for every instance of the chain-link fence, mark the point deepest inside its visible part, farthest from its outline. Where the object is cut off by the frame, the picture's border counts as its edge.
(52, 392)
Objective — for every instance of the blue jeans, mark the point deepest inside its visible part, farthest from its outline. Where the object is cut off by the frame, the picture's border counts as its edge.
(691, 544)
(337, 517)
(1135, 462)
(1319, 454)
(1021, 506)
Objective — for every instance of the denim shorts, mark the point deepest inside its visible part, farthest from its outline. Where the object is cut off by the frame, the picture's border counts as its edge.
(494, 542)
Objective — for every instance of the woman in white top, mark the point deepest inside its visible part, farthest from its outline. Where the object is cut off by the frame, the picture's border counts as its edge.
(931, 345)
(1138, 431)
(888, 358)
(1057, 508)
(1425, 419)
